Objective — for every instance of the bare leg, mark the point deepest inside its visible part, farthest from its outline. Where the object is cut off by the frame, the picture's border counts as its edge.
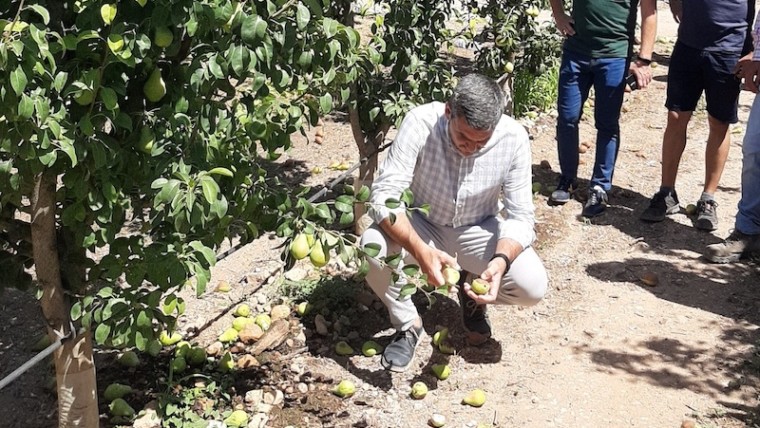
(673, 144)
(716, 153)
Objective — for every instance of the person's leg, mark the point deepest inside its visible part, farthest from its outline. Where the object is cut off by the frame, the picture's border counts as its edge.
(526, 282)
(685, 85)
(745, 239)
(609, 87)
(574, 85)
(722, 96)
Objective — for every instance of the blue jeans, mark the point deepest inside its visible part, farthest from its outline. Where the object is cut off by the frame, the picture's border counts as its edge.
(577, 74)
(748, 217)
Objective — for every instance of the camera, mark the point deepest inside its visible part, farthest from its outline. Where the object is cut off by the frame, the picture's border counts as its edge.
(631, 82)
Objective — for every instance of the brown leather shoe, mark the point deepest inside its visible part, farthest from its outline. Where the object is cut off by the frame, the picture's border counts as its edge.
(737, 246)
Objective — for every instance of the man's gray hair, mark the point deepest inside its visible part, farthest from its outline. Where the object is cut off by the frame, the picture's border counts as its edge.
(478, 99)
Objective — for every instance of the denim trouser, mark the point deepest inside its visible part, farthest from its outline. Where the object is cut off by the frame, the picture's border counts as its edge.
(524, 284)
(577, 74)
(748, 217)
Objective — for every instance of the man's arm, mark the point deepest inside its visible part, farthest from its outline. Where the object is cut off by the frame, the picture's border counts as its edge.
(640, 66)
(748, 67)
(561, 19)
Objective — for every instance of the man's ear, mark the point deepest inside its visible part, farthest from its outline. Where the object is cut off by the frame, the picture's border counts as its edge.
(447, 112)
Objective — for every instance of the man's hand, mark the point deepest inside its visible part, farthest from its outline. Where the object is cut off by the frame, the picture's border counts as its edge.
(564, 24)
(676, 8)
(749, 71)
(642, 72)
(432, 261)
(492, 275)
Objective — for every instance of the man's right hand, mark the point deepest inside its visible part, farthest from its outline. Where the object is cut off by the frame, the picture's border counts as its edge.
(432, 261)
(749, 71)
(564, 24)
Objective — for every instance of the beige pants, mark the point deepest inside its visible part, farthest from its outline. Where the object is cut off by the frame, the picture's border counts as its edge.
(525, 284)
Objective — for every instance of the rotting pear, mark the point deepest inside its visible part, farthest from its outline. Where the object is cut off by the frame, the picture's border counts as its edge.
(342, 348)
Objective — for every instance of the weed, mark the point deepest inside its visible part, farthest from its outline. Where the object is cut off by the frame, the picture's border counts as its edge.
(533, 92)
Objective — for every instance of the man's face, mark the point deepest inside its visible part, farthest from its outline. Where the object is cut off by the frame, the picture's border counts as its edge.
(466, 139)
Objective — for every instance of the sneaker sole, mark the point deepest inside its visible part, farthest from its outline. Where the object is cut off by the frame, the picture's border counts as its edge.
(705, 225)
(400, 369)
(723, 260)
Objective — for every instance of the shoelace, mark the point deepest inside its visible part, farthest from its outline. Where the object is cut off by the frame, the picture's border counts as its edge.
(473, 308)
(597, 197)
(708, 206)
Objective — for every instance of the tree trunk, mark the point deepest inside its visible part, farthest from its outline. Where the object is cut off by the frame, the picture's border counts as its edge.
(74, 365)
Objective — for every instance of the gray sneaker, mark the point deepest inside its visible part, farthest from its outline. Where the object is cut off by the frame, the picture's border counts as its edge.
(564, 191)
(661, 204)
(738, 245)
(596, 203)
(707, 215)
(398, 356)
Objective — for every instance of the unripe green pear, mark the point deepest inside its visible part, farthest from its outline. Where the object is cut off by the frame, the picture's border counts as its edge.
(450, 276)
(345, 389)
(303, 308)
(419, 390)
(371, 348)
(441, 371)
(242, 310)
(116, 390)
(300, 247)
(479, 286)
(85, 97)
(196, 356)
(129, 359)
(318, 256)
(154, 348)
(119, 407)
(342, 348)
(236, 419)
(179, 365)
(182, 349)
(163, 37)
(263, 320)
(440, 336)
(475, 398)
(147, 139)
(229, 335)
(240, 323)
(155, 87)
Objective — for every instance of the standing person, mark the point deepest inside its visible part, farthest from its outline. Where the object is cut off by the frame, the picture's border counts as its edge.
(599, 42)
(463, 158)
(712, 36)
(744, 241)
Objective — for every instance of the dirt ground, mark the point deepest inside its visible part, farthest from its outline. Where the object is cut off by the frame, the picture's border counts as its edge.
(604, 349)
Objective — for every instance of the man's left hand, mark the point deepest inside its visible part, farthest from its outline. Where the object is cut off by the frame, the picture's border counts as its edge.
(749, 71)
(493, 274)
(642, 72)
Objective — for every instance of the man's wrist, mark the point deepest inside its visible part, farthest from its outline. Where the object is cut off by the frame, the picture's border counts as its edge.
(507, 261)
(640, 60)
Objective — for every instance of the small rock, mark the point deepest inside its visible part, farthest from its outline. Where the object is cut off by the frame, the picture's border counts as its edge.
(688, 423)
(321, 325)
(251, 333)
(273, 397)
(295, 274)
(215, 349)
(247, 361)
(149, 418)
(264, 408)
(302, 388)
(259, 420)
(280, 312)
(254, 396)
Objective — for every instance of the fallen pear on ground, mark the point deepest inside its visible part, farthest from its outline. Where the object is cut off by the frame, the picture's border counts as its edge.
(345, 389)
(475, 398)
(419, 390)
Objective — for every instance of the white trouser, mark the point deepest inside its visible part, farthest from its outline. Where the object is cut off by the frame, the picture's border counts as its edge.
(525, 284)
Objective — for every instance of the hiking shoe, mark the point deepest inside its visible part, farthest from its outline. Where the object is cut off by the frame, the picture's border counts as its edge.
(707, 215)
(400, 353)
(564, 191)
(475, 320)
(735, 247)
(661, 204)
(597, 202)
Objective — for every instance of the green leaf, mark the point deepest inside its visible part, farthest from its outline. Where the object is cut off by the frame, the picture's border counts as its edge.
(221, 171)
(60, 80)
(411, 270)
(210, 189)
(25, 107)
(76, 311)
(325, 103)
(323, 211)
(346, 218)
(373, 114)
(303, 16)
(372, 249)
(330, 27)
(407, 290)
(253, 29)
(109, 98)
(101, 333)
(144, 319)
(18, 81)
(344, 203)
(392, 203)
(42, 12)
(315, 7)
(363, 194)
(407, 197)
(68, 148)
(393, 260)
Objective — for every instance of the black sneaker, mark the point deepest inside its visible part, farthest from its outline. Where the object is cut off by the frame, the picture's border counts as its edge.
(707, 215)
(597, 202)
(564, 191)
(400, 353)
(662, 204)
(475, 320)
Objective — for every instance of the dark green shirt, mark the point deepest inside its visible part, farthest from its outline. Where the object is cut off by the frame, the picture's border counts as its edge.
(603, 28)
